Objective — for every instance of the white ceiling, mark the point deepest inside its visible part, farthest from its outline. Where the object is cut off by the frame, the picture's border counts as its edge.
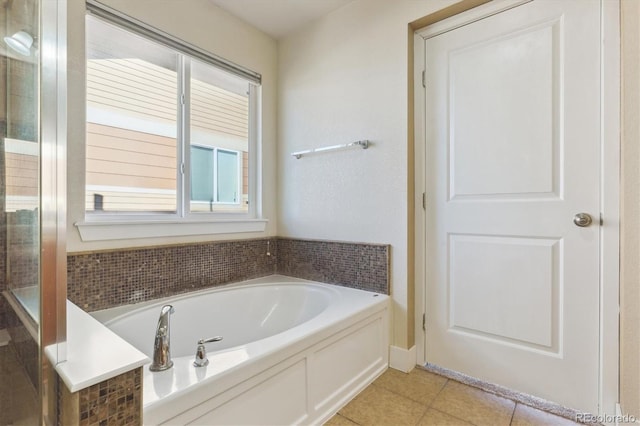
(279, 17)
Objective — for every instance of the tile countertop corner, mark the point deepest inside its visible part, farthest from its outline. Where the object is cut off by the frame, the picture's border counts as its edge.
(94, 353)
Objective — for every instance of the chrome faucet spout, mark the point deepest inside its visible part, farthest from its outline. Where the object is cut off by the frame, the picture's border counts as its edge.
(162, 342)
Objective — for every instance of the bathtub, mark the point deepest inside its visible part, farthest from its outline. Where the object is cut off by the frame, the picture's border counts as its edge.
(293, 351)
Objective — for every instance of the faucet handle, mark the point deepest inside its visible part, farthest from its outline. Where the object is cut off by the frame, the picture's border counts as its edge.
(201, 353)
(209, 340)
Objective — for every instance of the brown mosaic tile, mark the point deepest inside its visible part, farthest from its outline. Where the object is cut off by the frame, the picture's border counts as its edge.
(105, 279)
(116, 401)
(355, 265)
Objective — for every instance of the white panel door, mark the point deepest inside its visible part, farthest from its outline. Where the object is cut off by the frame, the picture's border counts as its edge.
(513, 139)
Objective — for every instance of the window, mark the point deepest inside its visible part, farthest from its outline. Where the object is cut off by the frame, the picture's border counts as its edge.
(215, 178)
(168, 135)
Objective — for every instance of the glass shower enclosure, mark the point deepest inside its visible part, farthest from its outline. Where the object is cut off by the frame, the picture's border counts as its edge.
(32, 259)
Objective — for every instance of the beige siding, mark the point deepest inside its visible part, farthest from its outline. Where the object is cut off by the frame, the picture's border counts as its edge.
(136, 161)
(122, 201)
(245, 173)
(130, 158)
(22, 174)
(141, 163)
(133, 86)
(150, 91)
(217, 110)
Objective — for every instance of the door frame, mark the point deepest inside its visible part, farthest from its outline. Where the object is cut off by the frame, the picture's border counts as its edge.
(610, 144)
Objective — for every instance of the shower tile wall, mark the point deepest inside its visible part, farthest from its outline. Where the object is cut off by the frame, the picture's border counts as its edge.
(106, 279)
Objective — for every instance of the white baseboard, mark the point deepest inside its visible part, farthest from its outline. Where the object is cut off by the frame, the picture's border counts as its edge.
(402, 359)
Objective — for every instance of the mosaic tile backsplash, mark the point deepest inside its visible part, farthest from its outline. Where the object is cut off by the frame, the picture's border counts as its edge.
(106, 279)
(362, 266)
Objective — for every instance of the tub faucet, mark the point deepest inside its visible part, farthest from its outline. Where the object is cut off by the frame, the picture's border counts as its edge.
(161, 345)
(201, 352)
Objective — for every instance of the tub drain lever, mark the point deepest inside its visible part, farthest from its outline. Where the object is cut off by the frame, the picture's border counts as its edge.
(201, 353)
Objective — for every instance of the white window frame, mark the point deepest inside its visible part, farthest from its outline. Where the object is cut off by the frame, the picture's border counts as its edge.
(130, 225)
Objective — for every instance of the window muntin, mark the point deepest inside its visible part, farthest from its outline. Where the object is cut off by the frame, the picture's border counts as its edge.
(151, 115)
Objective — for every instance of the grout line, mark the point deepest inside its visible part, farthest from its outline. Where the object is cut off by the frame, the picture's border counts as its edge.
(411, 399)
(439, 392)
(513, 413)
(455, 417)
(346, 417)
(443, 412)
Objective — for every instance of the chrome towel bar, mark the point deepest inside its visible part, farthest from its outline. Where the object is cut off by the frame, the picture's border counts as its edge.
(364, 144)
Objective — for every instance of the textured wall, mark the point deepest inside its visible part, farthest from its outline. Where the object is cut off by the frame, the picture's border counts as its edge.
(344, 78)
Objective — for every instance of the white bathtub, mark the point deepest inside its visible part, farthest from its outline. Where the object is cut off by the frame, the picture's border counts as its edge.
(293, 352)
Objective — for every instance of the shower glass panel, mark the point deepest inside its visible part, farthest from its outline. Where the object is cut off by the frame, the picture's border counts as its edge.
(21, 151)
(19, 213)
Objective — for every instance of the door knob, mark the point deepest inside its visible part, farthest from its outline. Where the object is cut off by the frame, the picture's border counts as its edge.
(582, 219)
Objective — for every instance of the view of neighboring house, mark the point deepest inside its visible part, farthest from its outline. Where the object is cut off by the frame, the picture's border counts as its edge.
(136, 105)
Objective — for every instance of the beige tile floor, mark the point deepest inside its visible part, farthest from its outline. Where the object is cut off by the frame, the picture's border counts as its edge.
(421, 398)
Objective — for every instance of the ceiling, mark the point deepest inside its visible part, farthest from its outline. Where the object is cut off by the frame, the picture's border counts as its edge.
(279, 18)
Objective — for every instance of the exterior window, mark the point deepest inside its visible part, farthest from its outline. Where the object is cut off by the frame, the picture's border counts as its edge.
(215, 178)
(166, 134)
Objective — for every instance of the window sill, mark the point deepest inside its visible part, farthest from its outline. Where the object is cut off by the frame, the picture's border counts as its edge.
(124, 230)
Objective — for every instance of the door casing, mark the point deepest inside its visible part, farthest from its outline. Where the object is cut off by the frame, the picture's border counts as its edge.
(609, 185)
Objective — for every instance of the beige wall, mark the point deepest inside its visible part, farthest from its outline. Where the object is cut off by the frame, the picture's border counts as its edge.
(198, 22)
(630, 212)
(341, 79)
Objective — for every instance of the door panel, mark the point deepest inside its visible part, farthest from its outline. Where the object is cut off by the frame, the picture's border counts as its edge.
(486, 265)
(487, 82)
(513, 140)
